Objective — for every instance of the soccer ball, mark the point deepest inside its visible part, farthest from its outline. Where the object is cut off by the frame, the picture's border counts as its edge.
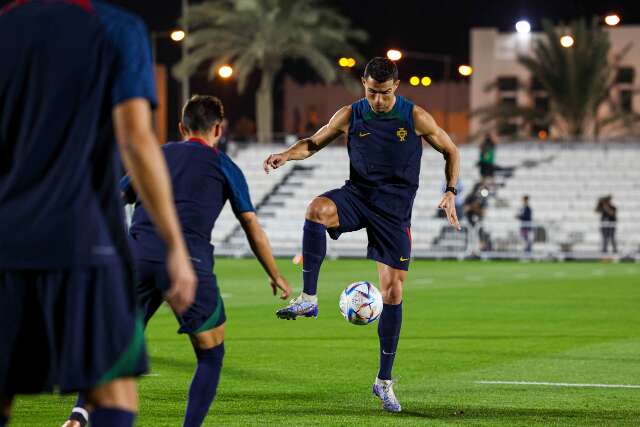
(361, 303)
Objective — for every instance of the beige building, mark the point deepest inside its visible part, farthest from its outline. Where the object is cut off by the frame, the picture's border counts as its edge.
(494, 57)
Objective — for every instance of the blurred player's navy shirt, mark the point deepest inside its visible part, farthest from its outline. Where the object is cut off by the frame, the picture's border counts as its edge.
(203, 179)
(65, 65)
(384, 155)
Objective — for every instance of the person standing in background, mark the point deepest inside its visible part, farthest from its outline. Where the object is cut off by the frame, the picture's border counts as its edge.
(608, 219)
(526, 227)
(487, 160)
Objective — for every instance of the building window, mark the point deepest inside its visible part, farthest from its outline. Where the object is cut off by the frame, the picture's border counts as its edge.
(507, 128)
(626, 101)
(625, 75)
(507, 84)
(536, 85)
(508, 101)
(541, 103)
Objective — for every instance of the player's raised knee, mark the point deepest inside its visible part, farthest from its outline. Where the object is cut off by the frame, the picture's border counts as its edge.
(323, 211)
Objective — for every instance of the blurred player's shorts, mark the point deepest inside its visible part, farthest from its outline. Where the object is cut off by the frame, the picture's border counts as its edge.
(68, 330)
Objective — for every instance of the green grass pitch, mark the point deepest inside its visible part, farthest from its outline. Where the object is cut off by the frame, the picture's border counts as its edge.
(464, 322)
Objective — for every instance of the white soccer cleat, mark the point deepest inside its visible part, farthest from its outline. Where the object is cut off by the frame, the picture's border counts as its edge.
(302, 305)
(384, 390)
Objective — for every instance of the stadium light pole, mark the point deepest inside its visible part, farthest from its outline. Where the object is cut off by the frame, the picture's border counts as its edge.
(185, 78)
(177, 36)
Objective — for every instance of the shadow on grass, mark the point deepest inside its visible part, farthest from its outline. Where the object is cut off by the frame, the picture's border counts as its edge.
(436, 412)
(479, 337)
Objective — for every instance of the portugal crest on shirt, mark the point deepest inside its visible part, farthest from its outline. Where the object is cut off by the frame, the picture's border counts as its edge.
(402, 134)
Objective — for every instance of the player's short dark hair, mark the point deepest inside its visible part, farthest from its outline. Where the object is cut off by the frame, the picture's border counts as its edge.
(202, 112)
(381, 69)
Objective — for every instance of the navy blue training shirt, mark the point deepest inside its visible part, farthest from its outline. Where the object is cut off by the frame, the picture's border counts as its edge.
(203, 179)
(65, 66)
(384, 155)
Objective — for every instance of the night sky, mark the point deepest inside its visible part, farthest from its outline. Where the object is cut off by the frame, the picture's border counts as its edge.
(425, 26)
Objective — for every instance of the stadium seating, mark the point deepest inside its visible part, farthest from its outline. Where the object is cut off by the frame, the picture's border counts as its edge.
(563, 182)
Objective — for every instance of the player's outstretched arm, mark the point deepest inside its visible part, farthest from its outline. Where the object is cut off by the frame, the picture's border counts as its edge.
(306, 147)
(146, 166)
(427, 127)
(262, 250)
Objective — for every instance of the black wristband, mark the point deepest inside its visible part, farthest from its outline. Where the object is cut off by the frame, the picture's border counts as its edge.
(452, 189)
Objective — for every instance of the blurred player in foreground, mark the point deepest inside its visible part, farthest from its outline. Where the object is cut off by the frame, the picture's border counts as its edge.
(385, 134)
(203, 179)
(72, 73)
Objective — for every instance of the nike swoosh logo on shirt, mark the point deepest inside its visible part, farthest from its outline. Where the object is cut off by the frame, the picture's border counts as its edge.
(403, 259)
(363, 134)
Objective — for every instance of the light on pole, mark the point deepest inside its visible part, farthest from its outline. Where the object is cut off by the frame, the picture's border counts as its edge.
(523, 26)
(177, 35)
(345, 62)
(465, 70)
(566, 41)
(225, 71)
(612, 19)
(394, 54)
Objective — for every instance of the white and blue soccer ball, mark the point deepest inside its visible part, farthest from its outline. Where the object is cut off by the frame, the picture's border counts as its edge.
(361, 303)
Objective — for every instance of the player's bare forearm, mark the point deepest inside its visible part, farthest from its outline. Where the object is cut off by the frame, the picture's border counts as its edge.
(146, 166)
(259, 243)
(452, 164)
(309, 146)
(302, 149)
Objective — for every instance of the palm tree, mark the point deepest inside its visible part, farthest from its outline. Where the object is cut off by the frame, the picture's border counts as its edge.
(259, 35)
(577, 80)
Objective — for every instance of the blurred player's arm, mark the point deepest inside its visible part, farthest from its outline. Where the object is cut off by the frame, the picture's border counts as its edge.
(262, 250)
(427, 127)
(338, 125)
(146, 166)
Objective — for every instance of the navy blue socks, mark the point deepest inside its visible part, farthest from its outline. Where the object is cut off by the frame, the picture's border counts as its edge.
(389, 334)
(314, 249)
(79, 412)
(111, 417)
(204, 384)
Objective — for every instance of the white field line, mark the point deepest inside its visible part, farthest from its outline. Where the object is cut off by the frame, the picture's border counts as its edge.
(559, 384)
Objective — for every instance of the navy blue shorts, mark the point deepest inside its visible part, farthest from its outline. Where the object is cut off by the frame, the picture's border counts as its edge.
(389, 238)
(71, 330)
(207, 310)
